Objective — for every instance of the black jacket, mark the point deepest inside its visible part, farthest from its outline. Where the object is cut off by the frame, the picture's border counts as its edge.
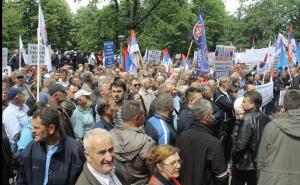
(65, 167)
(296, 82)
(185, 120)
(203, 157)
(247, 140)
(278, 86)
(224, 104)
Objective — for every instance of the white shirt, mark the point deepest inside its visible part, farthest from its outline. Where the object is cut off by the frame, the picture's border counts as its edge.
(238, 102)
(105, 179)
(13, 119)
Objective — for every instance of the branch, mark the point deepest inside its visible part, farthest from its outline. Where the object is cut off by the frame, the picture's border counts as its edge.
(147, 15)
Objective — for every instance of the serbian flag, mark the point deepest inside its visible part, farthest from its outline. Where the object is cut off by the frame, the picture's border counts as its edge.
(133, 49)
(199, 34)
(167, 61)
(292, 47)
(42, 31)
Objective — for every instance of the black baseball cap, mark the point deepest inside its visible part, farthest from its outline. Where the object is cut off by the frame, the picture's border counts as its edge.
(55, 88)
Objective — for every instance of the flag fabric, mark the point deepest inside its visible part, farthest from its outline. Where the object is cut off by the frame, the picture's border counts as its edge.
(292, 47)
(280, 42)
(121, 58)
(166, 61)
(298, 53)
(283, 60)
(199, 35)
(133, 49)
(266, 64)
(22, 50)
(185, 63)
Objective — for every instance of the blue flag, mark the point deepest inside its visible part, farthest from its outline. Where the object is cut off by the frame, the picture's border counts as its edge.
(283, 60)
(298, 53)
(199, 34)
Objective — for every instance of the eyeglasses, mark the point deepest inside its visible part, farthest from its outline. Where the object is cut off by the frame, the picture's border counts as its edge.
(136, 85)
(173, 164)
(20, 77)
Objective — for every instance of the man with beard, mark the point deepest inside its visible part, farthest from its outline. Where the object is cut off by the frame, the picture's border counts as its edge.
(118, 89)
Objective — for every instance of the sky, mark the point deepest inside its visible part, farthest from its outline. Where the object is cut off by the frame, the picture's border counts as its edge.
(230, 5)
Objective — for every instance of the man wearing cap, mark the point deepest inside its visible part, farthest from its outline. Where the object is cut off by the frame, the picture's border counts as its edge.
(21, 82)
(82, 118)
(57, 96)
(15, 115)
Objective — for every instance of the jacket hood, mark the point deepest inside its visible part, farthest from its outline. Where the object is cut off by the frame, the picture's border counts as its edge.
(289, 123)
(128, 142)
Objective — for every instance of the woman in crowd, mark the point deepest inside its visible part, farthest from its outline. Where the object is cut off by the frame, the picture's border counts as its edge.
(165, 163)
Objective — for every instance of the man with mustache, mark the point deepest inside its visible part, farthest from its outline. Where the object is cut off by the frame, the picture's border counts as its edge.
(118, 89)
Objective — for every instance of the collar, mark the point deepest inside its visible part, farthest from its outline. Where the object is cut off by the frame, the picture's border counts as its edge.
(60, 145)
(83, 111)
(169, 120)
(203, 128)
(122, 127)
(162, 179)
(16, 107)
(106, 124)
(102, 178)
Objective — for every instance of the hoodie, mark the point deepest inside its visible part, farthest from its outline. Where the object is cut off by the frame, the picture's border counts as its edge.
(131, 145)
(278, 158)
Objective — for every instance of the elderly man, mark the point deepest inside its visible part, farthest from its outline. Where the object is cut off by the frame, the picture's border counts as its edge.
(201, 151)
(99, 152)
(132, 144)
(53, 157)
(147, 97)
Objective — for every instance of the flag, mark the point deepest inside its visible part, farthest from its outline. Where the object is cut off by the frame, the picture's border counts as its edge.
(121, 58)
(166, 61)
(42, 31)
(145, 57)
(298, 53)
(291, 46)
(133, 49)
(22, 50)
(283, 60)
(266, 64)
(199, 35)
(185, 62)
(280, 42)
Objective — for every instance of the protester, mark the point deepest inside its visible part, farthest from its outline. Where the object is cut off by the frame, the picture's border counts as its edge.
(46, 160)
(132, 144)
(165, 163)
(135, 85)
(276, 111)
(72, 89)
(100, 156)
(82, 119)
(44, 95)
(64, 80)
(160, 126)
(247, 140)
(201, 151)
(118, 89)
(279, 84)
(147, 97)
(106, 109)
(295, 72)
(278, 153)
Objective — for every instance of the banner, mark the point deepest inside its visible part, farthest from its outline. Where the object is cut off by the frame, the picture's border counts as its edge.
(252, 56)
(153, 56)
(109, 51)
(32, 55)
(4, 57)
(266, 92)
(6, 71)
(223, 60)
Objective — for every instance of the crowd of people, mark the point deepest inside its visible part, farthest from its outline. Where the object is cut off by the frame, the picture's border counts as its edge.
(90, 125)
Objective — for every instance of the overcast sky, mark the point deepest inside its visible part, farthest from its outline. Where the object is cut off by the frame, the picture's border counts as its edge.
(230, 5)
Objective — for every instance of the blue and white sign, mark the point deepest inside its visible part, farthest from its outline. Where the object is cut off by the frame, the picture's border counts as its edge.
(109, 50)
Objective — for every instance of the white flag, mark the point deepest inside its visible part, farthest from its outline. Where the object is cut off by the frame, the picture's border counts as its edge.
(22, 50)
(43, 39)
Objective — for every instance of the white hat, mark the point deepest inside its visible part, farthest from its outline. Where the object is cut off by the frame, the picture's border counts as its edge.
(81, 92)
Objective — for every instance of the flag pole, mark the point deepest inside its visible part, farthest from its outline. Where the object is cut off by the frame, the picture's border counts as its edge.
(266, 63)
(188, 54)
(38, 60)
(20, 56)
(141, 58)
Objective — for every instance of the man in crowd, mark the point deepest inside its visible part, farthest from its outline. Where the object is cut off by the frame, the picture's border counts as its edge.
(201, 151)
(15, 115)
(106, 109)
(295, 72)
(134, 85)
(100, 157)
(72, 89)
(44, 94)
(160, 126)
(118, 89)
(279, 149)
(82, 119)
(132, 144)
(4, 96)
(147, 97)
(64, 80)
(46, 160)
(247, 140)
(239, 111)
(185, 117)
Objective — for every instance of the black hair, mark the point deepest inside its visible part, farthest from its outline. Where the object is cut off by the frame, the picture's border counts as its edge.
(276, 109)
(119, 83)
(190, 91)
(255, 97)
(292, 99)
(48, 115)
(102, 103)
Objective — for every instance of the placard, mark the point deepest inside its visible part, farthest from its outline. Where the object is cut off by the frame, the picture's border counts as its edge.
(266, 91)
(4, 57)
(109, 51)
(32, 55)
(6, 71)
(153, 56)
(281, 97)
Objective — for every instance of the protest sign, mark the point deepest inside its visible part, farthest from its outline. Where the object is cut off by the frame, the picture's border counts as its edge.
(109, 50)
(252, 56)
(266, 91)
(223, 60)
(32, 55)
(153, 56)
(6, 71)
(4, 56)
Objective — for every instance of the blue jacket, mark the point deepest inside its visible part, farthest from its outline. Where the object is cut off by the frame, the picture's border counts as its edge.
(161, 130)
(65, 167)
(101, 123)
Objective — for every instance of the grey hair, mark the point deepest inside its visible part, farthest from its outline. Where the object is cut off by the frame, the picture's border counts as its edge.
(144, 80)
(201, 108)
(163, 101)
(103, 80)
(130, 109)
(87, 76)
(222, 80)
(95, 133)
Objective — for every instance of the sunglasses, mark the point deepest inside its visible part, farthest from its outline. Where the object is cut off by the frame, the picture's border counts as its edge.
(136, 85)
(20, 77)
